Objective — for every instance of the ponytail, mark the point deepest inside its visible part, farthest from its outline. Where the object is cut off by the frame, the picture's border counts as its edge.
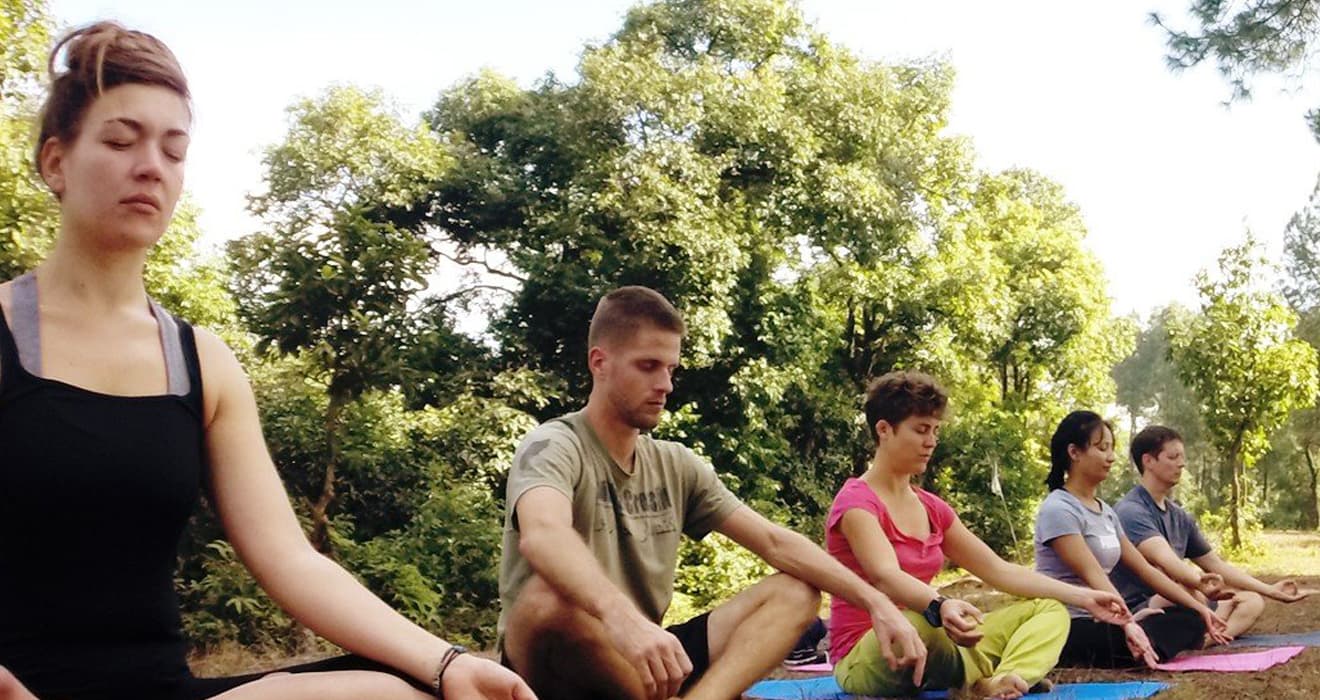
(1077, 428)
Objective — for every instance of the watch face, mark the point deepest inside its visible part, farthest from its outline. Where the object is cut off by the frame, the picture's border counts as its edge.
(932, 613)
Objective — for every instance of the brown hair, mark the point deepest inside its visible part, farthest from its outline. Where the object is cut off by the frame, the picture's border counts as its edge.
(622, 312)
(1151, 441)
(897, 396)
(98, 57)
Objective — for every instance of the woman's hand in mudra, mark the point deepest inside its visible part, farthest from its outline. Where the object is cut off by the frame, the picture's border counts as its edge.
(474, 678)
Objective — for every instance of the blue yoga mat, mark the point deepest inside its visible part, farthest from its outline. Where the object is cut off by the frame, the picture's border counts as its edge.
(825, 688)
(1300, 639)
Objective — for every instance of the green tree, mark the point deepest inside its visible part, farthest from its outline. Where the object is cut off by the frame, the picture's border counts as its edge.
(721, 152)
(805, 210)
(1301, 256)
(1052, 329)
(342, 254)
(1301, 286)
(1151, 392)
(28, 214)
(1247, 38)
(25, 37)
(1241, 358)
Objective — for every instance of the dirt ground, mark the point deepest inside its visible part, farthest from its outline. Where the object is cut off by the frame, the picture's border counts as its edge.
(1282, 554)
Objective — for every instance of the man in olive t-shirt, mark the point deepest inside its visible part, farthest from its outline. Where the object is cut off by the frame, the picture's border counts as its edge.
(631, 522)
(595, 510)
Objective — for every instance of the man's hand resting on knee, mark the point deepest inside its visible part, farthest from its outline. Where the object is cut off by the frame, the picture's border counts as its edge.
(657, 655)
(899, 641)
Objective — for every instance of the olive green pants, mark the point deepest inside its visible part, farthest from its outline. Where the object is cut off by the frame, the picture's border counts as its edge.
(1024, 638)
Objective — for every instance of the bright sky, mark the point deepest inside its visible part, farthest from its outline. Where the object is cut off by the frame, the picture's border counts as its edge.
(1164, 174)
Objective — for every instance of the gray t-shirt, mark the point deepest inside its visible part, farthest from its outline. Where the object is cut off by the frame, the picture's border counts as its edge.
(631, 522)
(1062, 514)
(1142, 519)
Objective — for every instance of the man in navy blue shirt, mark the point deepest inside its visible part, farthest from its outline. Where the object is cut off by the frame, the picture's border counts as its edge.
(1167, 535)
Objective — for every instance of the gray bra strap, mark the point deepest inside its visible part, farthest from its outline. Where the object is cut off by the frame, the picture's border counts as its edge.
(24, 323)
(176, 370)
(25, 326)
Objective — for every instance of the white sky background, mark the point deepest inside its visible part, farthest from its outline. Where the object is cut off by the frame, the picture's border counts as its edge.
(1165, 175)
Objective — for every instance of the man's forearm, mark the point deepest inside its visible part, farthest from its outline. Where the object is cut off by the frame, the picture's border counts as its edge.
(802, 559)
(1171, 589)
(559, 556)
(1241, 580)
(1185, 574)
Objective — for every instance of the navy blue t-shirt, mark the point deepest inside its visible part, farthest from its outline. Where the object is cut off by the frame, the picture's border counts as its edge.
(1142, 519)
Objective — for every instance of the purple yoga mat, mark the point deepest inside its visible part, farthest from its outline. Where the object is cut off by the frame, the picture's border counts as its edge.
(1233, 663)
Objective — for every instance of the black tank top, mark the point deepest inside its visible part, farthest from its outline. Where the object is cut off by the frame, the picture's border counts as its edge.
(95, 491)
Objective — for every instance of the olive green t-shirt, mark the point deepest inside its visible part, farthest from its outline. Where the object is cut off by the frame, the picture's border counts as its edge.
(631, 523)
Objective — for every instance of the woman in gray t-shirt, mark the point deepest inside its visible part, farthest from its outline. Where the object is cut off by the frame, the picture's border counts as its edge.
(1079, 540)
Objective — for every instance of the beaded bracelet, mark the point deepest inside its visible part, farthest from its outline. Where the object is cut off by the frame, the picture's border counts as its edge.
(452, 653)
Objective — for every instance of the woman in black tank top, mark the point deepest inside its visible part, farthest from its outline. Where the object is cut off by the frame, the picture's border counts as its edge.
(114, 415)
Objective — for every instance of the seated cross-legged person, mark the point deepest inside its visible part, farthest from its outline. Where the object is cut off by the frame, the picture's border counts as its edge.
(898, 535)
(595, 510)
(1079, 540)
(1167, 536)
(116, 417)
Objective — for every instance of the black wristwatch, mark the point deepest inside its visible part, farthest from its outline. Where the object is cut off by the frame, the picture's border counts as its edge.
(932, 612)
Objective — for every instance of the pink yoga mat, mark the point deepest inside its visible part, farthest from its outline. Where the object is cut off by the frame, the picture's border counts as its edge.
(1249, 661)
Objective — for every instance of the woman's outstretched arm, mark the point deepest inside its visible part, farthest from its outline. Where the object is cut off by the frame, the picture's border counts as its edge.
(968, 551)
(260, 523)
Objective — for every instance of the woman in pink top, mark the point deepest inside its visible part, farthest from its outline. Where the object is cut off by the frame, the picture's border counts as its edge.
(897, 536)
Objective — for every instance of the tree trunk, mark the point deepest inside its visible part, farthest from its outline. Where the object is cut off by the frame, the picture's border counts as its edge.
(850, 337)
(1313, 508)
(1003, 381)
(1201, 469)
(320, 535)
(1265, 484)
(1235, 492)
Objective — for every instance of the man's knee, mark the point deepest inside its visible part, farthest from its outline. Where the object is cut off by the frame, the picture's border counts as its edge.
(539, 607)
(801, 599)
(541, 620)
(1250, 605)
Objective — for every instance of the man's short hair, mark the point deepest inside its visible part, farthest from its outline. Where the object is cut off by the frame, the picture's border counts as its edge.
(1151, 441)
(624, 311)
(897, 396)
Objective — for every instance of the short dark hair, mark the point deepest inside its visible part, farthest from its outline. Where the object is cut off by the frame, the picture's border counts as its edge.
(1076, 429)
(897, 396)
(1151, 440)
(622, 312)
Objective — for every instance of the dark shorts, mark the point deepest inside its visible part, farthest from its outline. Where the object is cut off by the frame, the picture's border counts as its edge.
(1102, 645)
(203, 688)
(693, 634)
